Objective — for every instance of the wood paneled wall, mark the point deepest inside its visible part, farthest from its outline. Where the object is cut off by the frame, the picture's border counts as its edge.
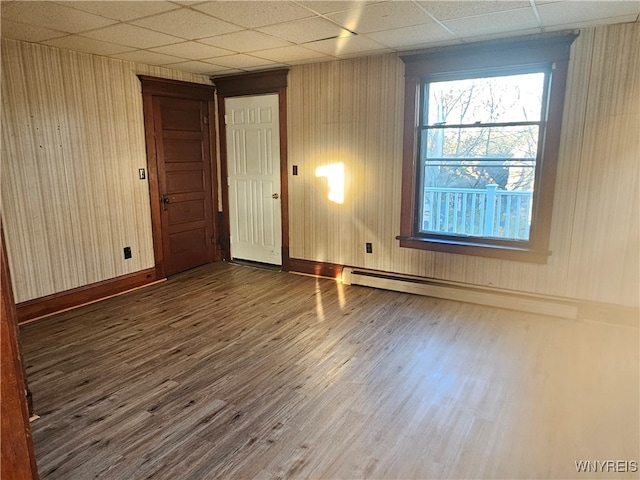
(73, 140)
(72, 144)
(605, 250)
(350, 112)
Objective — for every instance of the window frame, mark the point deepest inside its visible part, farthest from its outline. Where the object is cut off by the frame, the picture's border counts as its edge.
(546, 51)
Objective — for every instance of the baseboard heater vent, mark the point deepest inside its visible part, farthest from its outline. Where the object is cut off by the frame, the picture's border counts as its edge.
(540, 304)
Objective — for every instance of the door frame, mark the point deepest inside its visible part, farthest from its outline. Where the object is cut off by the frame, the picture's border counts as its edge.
(18, 458)
(163, 87)
(252, 84)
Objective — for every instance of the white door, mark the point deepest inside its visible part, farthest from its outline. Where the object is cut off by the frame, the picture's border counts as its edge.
(253, 165)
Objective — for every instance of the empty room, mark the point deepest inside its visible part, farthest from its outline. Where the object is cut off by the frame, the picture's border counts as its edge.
(320, 239)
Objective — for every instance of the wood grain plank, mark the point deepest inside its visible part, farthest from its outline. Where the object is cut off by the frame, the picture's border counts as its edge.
(229, 371)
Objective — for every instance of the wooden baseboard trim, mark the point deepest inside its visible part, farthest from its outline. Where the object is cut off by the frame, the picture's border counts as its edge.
(58, 302)
(320, 269)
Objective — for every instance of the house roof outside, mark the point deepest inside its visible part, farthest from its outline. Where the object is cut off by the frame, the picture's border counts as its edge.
(230, 37)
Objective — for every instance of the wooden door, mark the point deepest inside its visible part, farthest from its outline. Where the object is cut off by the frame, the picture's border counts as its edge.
(253, 166)
(182, 144)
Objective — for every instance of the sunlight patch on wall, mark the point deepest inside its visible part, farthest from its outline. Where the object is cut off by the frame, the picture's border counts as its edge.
(334, 174)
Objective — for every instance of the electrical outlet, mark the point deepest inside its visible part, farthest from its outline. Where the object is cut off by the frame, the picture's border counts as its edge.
(368, 247)
(127, 253)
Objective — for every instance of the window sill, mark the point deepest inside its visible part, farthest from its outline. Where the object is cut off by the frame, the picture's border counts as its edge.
(479, 249)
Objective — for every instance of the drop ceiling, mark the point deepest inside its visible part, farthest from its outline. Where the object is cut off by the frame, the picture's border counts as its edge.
(224, 37)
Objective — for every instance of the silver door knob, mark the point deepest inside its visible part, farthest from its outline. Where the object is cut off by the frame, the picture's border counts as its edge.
(275, 196)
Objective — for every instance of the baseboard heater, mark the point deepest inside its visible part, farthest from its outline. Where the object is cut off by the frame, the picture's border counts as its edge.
(540, 304)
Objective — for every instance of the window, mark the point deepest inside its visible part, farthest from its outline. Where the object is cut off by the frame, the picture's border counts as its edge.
(477, 155)
(482, 129)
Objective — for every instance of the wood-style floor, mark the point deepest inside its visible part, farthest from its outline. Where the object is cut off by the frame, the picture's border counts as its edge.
(228, 371)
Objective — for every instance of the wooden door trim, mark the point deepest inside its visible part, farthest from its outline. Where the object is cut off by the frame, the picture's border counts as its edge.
(18, 458)
(250, 84)
(163, 87)
(255, 83)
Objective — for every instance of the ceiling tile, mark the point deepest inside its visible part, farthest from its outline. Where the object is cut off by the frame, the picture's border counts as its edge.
(210, 69)
(132, 36)
(192, 50)
(493, 24)
(413, 49)
(459, 9)
(53, 16)
(308, 30)
(186, 23)
(220, 70)
(292, 53)
(346, 46)
(271, 66)
(591, 23)
(332, 6)
(245, 41)
(250, 35)
(147, 57)
(412, 36)
(27, 33)
(259, 14)
(195, 67)
(87, 45)
(309, 60)
(241, 61)
(123, 10)
(495, 36)
(345, 55)
(191, 3)
(565, 12)
(382, 16)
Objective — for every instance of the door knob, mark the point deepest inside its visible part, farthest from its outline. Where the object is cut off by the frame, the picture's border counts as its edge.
(275, 196)
(165, 201)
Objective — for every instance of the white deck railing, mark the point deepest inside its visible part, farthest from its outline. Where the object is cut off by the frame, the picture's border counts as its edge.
(482, 213)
